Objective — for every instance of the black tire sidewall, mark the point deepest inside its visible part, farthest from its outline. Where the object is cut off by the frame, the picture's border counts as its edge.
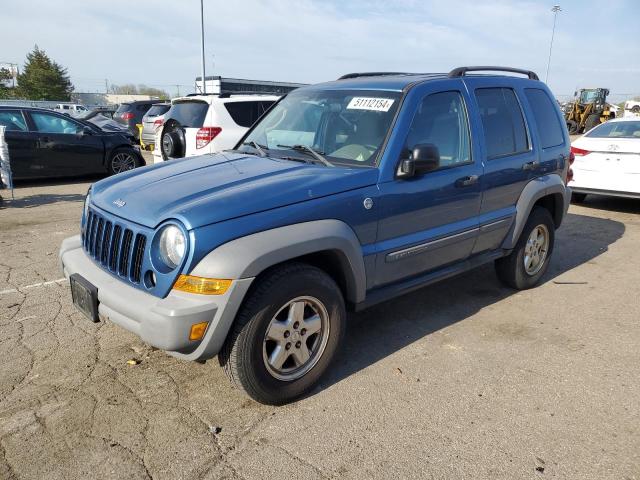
(254, 375)
(539, 216)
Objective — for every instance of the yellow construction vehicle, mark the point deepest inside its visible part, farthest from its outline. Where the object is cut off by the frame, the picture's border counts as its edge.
(588, 109)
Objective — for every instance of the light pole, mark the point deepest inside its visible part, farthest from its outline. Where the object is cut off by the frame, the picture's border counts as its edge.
(555, 9)
(204, 84)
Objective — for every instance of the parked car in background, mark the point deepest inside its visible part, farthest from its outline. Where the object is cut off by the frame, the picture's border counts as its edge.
(343, 195)
(199, 124)
(152, 119)
(71, 109)
(130, 114)
(632, 108)
(106, 112)
(607, 160)
(44, 144)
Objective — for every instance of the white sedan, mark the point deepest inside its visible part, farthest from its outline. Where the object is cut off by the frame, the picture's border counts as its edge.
(607, 160)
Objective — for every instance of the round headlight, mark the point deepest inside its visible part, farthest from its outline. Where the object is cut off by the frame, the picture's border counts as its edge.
(172, 246)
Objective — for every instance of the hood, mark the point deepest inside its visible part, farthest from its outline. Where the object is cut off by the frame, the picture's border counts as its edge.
(213, 188)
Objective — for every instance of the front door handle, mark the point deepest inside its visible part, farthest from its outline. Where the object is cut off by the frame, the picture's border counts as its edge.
(467, 181)
(531, 165)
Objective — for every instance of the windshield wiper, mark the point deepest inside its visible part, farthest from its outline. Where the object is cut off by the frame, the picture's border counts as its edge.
(258, 147)
(305, 149)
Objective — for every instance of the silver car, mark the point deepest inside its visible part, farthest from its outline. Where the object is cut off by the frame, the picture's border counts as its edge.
(154, 114)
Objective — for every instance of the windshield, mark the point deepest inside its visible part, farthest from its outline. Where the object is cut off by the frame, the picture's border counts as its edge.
(589, 96)
(347, 126)
(616, 130)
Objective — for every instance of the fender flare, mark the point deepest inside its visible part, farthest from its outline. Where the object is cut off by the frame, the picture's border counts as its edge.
(537, 188)
(248, 256)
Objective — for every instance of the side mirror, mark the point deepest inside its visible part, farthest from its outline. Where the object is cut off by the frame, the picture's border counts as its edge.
(85, 131)
(424, 158)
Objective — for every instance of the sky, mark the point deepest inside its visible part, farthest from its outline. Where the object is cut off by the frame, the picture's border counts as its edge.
(157, 42)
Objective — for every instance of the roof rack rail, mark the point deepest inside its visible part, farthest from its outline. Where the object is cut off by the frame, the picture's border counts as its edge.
(461, 71)
(228, 94)
(369, 74)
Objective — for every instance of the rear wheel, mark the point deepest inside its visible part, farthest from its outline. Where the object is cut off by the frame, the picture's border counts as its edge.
(123, 160)
(635, 109)
(592, 121)
(285, 335)
(578, 197)
(529, 260)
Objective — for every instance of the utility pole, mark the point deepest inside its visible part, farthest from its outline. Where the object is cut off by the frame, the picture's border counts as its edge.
(106, 86)
(204, 84)
(555, 9)
(178, 90)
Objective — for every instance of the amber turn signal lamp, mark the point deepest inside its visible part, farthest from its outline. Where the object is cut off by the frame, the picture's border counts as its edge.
(202, 285)
(197, 330)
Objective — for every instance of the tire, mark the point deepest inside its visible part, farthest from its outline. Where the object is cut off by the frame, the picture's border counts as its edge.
(123, 160)
(592, 121)
(573, 127)
(635, 109)
(511, 269)
(247, 354)
(173, 143)
(578, 197)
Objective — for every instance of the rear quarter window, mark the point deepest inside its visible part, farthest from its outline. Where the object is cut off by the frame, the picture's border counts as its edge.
(505, 132)
(547, 121)
(245, 114)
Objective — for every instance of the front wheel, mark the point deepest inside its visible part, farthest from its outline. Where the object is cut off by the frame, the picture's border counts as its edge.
(285, 335)
(122, 160)
(529, 260)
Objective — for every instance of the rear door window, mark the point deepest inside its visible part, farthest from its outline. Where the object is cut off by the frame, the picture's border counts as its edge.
(245, 114)
(13, 120)
(505, 132)
(547, 121)
(189, 114)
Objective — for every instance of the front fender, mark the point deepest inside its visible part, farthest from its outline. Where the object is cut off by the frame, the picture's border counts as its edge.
(248, 256)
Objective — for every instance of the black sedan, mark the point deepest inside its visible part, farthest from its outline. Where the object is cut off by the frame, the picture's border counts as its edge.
(44, 144)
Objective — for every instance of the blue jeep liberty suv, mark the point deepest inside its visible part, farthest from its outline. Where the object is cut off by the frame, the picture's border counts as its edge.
(342, 195)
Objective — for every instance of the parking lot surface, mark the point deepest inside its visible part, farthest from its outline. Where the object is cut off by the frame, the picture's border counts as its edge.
(463, 379)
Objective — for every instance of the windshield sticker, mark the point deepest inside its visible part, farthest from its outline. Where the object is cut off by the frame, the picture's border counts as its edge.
(370, 103)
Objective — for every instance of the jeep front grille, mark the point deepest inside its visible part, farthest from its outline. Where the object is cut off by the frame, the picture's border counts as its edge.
(115, 247)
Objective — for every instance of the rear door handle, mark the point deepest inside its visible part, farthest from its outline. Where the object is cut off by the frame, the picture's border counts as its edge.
(531, 165)
(467, 181)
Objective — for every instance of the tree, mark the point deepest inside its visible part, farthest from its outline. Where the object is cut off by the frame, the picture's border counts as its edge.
(44, 79)
(131, 89)
(6, 90)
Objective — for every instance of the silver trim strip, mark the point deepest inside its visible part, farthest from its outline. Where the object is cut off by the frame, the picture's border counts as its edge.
(431, 245)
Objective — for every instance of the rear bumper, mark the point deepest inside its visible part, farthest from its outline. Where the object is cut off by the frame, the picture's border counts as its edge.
(164, 323)
(609, 193)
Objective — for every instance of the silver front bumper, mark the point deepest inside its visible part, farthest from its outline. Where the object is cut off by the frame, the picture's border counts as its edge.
(164, 323)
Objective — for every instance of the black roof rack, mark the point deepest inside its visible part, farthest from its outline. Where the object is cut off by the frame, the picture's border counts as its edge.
(461, 71)
(370, 74)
